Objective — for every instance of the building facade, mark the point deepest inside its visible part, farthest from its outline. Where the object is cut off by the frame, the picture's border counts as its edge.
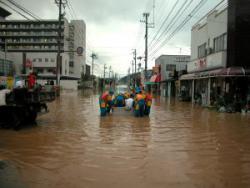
(33, 45)
(219, 67)
(170, 67)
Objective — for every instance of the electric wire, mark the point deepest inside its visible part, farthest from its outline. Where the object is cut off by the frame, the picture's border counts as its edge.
(27, 18)
(24, 10)
(174, 20)
(165, 20)
(180, 26)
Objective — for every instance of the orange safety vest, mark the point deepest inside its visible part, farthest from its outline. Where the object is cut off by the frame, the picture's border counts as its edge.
(139, 97)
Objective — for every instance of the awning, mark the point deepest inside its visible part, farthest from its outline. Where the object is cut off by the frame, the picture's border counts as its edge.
(150, 83)
(223, 72)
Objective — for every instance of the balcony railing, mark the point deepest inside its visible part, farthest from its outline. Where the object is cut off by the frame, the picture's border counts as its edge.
(29, 34)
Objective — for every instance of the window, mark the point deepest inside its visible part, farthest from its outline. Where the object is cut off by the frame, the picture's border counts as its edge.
(40, 59)
(71, 63)
(6, 67)
(39, 70)
(46, 60)
(220, 43)
(51, 70)
(34, 60)
(202, 50)
(52, 60)
(170, 67)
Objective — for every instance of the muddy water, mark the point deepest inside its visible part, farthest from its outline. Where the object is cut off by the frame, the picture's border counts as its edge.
(179, 145)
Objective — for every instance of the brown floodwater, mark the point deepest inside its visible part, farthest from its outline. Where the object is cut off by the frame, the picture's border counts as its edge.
(179, 145)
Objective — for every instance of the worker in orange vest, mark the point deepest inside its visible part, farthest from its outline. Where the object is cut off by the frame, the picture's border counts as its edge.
(148, 102)
(139, 104)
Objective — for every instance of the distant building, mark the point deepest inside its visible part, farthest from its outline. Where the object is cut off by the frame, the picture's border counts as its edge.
(220, 60)
(32, 46)
(170, 67)
(6, 65)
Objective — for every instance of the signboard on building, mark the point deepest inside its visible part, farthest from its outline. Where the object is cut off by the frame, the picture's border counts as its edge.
(213, 61)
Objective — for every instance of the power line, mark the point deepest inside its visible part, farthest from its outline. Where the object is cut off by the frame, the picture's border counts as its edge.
(24, 10)
(14, 10)
(162, 10)
(165, 20)
(71, 7)
(174, 20)
(180, 26)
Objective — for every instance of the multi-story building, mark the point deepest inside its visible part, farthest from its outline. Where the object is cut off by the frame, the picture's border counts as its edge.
(6, 66)
(220, 63)
(170, 67)
(33, 45)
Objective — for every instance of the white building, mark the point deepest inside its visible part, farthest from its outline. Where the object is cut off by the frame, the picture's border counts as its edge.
(219, 66)
(209, 42)
(32, 46)
(170, 67)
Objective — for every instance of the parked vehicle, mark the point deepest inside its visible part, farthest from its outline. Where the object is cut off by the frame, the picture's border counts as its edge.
(22, 106)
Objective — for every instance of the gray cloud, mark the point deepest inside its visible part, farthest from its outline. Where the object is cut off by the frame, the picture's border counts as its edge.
(114, 23)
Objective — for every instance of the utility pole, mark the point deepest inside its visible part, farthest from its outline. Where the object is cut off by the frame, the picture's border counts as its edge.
(60, 3)
(147, 25)
(146, 15)
(93, 56)
(5, 55)
(110, 70)
(104, 76)
(132, 64)
(135, 59)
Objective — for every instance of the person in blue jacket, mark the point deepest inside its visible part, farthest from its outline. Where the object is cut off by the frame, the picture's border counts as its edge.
(120, 100)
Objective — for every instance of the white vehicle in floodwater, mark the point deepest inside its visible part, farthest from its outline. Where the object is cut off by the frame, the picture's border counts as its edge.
(121, 89)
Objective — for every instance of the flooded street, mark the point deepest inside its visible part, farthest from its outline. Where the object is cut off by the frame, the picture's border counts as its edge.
(177, 146)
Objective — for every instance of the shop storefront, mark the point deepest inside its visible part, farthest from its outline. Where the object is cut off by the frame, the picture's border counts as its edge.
(223, 86)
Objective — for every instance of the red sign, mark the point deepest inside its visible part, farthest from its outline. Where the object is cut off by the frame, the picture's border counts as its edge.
(201, 64)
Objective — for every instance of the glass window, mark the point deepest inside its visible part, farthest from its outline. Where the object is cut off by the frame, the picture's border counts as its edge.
(46, 60)
(40, 59)
(202, 50)
(71, 63)
(220, 43)
(170, 67)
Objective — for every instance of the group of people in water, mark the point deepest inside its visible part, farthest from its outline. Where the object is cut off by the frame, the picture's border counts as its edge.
(137, 101)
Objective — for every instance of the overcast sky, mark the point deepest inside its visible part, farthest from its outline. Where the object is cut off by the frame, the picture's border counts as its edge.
(114, 27)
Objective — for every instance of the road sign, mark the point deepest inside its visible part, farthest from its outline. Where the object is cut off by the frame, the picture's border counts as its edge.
(79, 50)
